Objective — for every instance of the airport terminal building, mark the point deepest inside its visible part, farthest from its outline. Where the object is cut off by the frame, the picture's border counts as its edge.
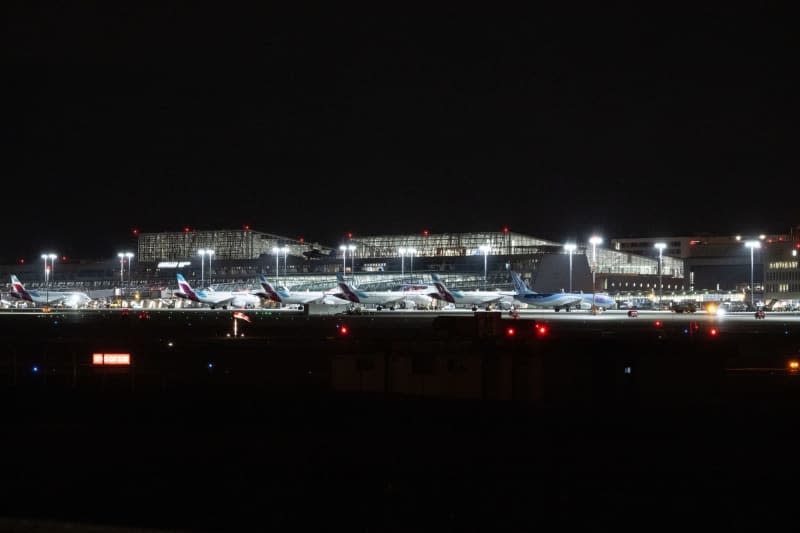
(234, 258)
(466, 260)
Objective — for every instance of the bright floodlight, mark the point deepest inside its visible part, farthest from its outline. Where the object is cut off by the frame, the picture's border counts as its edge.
(128, 254)
(595, 240)
(120, 255)
(342, 247)
(351, 247)
(570, 247)
(485, 248)
(753, 244)
(660, 245)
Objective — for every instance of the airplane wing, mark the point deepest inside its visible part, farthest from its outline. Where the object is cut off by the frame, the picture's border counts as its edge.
(220, 299)
(388, 298)
(310, 298)
(493, 298)
(53, 298)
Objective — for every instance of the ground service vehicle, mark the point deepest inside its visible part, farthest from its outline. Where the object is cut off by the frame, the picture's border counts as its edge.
(684, 307)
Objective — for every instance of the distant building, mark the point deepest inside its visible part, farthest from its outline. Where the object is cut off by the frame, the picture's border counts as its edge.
(782, 269)
(711, 262)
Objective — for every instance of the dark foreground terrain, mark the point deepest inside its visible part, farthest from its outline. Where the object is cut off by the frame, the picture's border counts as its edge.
(239, 461)
(398, 426)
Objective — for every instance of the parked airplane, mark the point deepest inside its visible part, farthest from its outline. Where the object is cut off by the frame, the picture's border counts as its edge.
(418, 295)
(216, 299)
(286, 297)
(556, 300)
(599, 299)
(473, 298)
(381, 299)
(65, 298)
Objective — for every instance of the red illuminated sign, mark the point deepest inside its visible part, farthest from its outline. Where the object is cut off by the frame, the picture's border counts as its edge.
(111, 359)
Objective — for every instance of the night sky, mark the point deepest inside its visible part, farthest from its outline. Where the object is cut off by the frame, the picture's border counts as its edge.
(555, 122)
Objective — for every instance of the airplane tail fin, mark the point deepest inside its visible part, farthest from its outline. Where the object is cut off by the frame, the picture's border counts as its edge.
(18, 289)
(184, 287)
(519, 285)
(442, 291)
(347, 291)
(272, 294)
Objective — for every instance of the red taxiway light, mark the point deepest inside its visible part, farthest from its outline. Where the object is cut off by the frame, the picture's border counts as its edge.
(510, 332)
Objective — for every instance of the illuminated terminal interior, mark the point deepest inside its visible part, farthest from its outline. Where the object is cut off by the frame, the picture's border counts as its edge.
(466, 260)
